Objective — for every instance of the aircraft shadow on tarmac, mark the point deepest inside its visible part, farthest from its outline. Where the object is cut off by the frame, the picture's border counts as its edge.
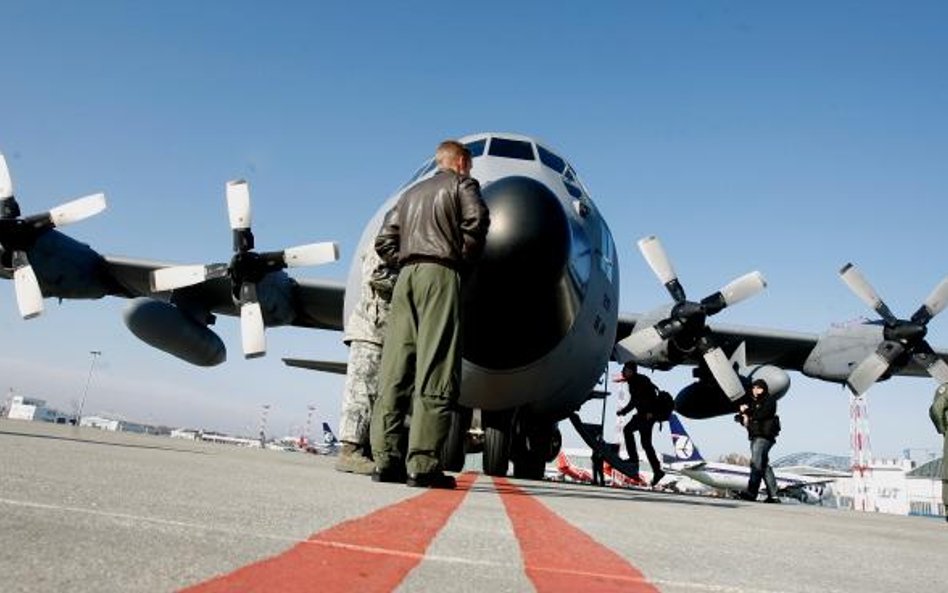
(95, 442)
(561, 490)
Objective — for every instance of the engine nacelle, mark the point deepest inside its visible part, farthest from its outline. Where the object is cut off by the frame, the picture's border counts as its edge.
(704, 398)
(168, 328)
(67, 268)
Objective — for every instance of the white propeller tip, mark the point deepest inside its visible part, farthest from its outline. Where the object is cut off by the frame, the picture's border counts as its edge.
(657, 259)
(311, 255)
(6, 184)
(77, 210)
(29, 298)
(252, 334)
(165, 279)
(238, 204)
(744, 287)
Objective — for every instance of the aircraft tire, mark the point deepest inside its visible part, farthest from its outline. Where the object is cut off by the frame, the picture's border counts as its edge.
(496, 451)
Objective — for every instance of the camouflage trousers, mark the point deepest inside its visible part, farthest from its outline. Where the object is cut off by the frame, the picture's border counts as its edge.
(361, 390)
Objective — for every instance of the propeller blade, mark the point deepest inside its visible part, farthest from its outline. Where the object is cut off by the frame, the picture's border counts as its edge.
(743, 288)
(926, 358)
(165, 279)
(862, 289)
(311, 255)
(6, 184)
(641, 342)
(252, 335)
(724, 373)
(657, 259)
(934, 304)
(867, 373)
(939, 371)
(29, 298)
(77, 210)
(238, 204)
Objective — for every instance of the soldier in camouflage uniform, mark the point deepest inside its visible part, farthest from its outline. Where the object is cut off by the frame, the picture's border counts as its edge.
(364, 335)
(939, 416)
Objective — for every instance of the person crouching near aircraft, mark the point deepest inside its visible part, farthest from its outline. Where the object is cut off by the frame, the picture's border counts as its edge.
(643, 397)
(436, 230)
(759, 416)
(939, 415)
(365, 332)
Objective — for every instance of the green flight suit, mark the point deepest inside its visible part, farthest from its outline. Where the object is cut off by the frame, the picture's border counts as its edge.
(939, 416)
(422, 358)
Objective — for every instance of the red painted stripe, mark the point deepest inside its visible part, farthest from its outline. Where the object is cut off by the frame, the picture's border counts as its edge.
(373, 553)
(560, 558)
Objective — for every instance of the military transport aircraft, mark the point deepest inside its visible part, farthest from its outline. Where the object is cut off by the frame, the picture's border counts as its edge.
(541, 308)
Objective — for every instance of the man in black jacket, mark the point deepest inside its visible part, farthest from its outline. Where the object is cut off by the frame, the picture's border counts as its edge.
(643, 397)
(759, 415)
(436, 230)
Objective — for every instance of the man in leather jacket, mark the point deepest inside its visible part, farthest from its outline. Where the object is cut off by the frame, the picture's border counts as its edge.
(436, 231)
(759, 415)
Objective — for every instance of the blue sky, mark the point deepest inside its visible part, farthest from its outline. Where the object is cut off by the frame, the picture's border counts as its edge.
(789, 138)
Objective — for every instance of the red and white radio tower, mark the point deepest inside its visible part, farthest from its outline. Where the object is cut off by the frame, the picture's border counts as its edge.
(863, 494)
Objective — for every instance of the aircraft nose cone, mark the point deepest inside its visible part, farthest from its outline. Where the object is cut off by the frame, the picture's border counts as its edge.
(528, 229)
(515, 309)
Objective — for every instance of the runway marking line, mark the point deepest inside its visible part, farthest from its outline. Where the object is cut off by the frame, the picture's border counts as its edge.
(559, 558)
(372, 553)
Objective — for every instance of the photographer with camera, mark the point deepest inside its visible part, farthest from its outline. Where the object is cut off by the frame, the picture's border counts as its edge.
(759, 416)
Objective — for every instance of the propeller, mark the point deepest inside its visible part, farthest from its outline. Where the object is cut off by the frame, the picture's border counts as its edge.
(246, 268)
(18, 234)
(686, 323)
(903, 339)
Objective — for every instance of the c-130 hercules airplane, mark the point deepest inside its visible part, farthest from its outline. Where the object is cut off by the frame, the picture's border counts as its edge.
(540, 308)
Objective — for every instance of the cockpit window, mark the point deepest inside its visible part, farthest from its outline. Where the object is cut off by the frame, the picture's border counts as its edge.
(476, 147)
(551, 160)
(421, 172)
(511, 149)
(573, 189)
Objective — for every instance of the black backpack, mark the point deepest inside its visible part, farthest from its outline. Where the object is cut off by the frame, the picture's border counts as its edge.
(663, 407)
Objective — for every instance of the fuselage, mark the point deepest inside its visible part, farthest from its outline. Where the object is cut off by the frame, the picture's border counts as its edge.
(540, 308)
(734, 478)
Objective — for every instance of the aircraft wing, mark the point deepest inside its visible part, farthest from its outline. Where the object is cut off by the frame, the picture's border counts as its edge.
(326, 366)
(785, 349)
(318, 303)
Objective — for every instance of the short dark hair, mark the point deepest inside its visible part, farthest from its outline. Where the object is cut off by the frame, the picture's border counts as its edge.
(762, 384)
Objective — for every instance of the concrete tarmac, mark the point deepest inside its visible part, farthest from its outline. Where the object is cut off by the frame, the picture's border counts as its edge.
(88, 510)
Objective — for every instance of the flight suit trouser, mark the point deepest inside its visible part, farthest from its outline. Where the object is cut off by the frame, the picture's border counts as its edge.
(944, 475)
(421, 368)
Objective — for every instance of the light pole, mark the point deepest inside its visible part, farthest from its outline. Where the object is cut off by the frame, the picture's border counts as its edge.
(309, 420)
(95, 354)
(263, 425)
